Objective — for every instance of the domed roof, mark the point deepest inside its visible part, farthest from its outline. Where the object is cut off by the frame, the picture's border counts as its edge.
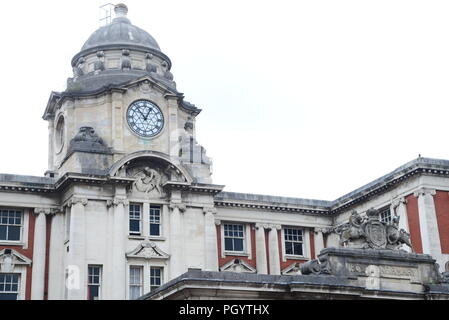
(119, 33)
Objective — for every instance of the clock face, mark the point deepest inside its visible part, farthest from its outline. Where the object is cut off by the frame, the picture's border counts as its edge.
(145, 118)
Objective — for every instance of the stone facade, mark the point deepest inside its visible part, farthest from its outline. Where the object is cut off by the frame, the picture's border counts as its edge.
(119, 214)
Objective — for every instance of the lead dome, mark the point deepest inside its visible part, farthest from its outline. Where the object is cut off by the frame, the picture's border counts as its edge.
(120, 32)
(118, 53)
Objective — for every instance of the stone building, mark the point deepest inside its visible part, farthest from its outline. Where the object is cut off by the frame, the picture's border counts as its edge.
(128, 203)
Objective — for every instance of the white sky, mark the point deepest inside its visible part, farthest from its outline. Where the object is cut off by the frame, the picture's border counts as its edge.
(309, 99)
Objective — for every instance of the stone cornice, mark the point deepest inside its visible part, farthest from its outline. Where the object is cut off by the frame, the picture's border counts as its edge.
(197, 188)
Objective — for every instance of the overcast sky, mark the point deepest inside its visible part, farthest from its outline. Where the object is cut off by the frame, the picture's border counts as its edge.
(308, 99)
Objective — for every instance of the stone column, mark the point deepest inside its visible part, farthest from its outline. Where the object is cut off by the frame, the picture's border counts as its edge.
(210, 238)
(39, 251)
(430, 236)
(273, 245)
(261, 250)
(319, 241)
(177, 266)
(76, 258)
(119, 249)
(56, 259)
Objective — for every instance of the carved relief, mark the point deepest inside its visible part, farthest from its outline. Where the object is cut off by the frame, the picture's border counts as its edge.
(148, 250)
(238, 265)
(10, 258)
(370, 232)
(148, 180)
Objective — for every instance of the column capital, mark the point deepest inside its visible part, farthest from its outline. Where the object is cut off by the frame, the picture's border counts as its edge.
(77, 200)
(217, 222)
(396, 202)
(317, 230)
(117, 201)
(46, 211)
(273, 226)
(424, 191)
(211, 210)
(178, 205)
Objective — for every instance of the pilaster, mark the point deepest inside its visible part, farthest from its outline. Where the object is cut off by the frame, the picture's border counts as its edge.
(210, 238)
(430, 236)
(261, 250)
(273, 241)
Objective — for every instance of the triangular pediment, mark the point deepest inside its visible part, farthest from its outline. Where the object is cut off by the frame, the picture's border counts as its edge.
(148, 250)
(10, 258)
(293, 269)
(238, 265)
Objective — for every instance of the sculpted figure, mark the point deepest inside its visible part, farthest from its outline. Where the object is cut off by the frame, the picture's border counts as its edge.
(148, 180)
(354, 231)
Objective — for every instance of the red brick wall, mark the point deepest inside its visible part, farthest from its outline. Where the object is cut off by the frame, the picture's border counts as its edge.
(413, 223)
(441, 200)
(222, 261)
(26, 252)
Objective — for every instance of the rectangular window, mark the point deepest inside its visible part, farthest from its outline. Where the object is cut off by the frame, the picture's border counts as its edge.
(293, 241)
(234, 237)
(9, 286)
(10, 225)
(155, 278)
(94, 283)
(135, 219)
(385, 215)
(135, 282)
(155, 221)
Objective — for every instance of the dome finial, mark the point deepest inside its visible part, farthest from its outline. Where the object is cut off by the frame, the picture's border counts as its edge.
(120, 10)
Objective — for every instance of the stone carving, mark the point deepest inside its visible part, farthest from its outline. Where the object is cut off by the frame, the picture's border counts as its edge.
(126, 61)
(317, 266)
(99, 64)
(87, 140)
(238, 265)
(371, 233)
(148, 180)
(150, 67)
(9, 258)
(445, 277)
(78, 69)
(88, 134)
(148, 250)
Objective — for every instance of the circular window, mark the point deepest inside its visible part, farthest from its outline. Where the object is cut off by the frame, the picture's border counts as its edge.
(145, 118)
(59, 134)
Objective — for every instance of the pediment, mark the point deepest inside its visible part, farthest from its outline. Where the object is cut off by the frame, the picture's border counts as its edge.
(238, 265)
(10, 258)
(292, 270)
(148, 250)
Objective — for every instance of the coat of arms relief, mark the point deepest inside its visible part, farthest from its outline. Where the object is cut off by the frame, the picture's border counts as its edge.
(370, 232)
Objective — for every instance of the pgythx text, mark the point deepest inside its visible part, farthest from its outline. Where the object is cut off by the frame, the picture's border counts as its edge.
(234, 309)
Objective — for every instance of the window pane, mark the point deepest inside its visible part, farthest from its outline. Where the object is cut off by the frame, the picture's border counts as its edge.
(134, 292)
(94, 292)
(228, 244)
(14, 233)
(134, 226)
(298, 249)
(154, 230)
(288, 248)
(8, 296)
(238, 245)
(3, 232)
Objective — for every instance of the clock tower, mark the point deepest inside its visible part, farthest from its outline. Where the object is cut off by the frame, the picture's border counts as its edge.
(122, 101)
(134, 185)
